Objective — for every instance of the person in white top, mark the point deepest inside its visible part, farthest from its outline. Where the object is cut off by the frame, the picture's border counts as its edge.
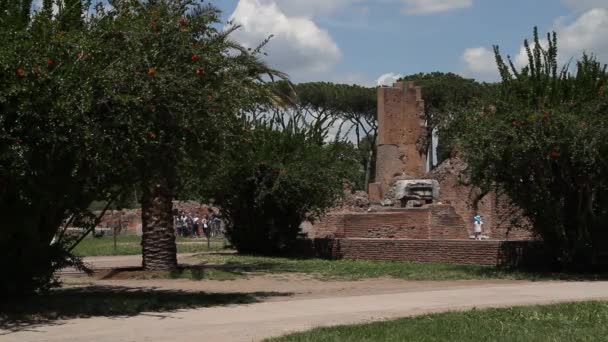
(478, 223)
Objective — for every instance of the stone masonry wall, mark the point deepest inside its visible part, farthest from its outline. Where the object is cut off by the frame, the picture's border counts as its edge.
(446, 224)
(329, 226)
(462, 252)
(490, 253)
(389, 225)
(431, 222)
(501, 219)
(400, 128)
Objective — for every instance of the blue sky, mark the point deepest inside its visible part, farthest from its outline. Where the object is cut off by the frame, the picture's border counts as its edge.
(358, 41)
(373, 41)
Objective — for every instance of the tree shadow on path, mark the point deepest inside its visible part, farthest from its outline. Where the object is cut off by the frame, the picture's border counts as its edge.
(110, 301)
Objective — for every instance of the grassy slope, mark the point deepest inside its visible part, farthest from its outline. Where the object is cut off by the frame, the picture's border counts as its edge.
(362, 269)
(564, 322)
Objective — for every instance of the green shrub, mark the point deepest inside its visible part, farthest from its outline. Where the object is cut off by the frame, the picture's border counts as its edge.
(542, 141)
(279, 176)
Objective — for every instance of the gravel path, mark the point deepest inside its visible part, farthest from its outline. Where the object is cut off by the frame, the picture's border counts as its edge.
(255, 322)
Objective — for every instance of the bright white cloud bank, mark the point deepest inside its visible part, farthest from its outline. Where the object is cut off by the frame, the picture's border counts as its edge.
(586, 34)
(388, 79)
(410, 7)
(310, 8)
(298, 47)
(480, 62)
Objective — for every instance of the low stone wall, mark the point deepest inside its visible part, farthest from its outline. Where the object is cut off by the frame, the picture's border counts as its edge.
(463, 252)
(430, 222)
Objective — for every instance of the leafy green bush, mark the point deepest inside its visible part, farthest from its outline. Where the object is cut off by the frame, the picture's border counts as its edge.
(132, 96)
(54, 159)
(277, 177)
(542, 141)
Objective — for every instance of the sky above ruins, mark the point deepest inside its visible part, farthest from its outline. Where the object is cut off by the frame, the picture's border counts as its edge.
(366, 41)
(369, 42)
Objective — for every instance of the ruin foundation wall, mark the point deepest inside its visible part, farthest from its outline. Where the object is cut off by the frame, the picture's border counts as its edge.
(461, 252)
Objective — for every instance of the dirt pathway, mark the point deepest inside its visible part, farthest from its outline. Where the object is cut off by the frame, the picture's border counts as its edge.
(254, 322)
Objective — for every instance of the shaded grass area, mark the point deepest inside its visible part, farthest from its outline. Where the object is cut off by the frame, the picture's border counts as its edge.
(363, 269)
(130, 245)
(111, 301)
(229, 266)
(587, 321)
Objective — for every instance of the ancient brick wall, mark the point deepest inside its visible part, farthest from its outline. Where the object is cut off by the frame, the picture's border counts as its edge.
(431, 222)
(430, 251)
(501, 219)
(413, 224)
(328, 226)
(446, 223)
(400, 128)
(463, 252)
(510, 223)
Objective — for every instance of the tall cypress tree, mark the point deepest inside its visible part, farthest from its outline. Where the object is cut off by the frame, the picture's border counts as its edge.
(47, 7)
(15, 14)
(71, 14)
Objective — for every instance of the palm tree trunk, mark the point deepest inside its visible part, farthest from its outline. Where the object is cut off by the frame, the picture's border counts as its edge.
(158, 240)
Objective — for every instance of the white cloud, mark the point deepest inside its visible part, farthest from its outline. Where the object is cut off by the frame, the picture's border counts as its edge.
(586, 34)
(310, 8)
(414, 7)
(480, 63)
(299, 47)
(584, 5)
(388, 79)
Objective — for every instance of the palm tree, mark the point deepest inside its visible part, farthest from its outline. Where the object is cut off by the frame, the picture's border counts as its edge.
(239, 82)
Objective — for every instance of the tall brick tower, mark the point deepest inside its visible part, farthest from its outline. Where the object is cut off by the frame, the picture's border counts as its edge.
(401, 130)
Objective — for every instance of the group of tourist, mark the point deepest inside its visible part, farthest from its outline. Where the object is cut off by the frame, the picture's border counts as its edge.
(193, 226)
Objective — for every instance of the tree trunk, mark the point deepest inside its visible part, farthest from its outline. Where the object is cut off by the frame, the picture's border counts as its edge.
(158, 240)
(368, 167)
(368, 164)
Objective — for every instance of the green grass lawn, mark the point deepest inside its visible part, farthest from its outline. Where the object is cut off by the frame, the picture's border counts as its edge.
(130, 245)
(362, 269)
(586, 321)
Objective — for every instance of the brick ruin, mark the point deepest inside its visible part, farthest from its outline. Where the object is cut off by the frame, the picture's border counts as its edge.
(401, 129)
(438, 226)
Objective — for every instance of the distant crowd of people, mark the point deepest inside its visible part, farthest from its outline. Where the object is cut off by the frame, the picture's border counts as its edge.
(193, 226)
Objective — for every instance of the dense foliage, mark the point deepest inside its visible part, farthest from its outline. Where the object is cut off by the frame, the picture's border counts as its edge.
(88, 108)
(351, 111)
(444, 95)
(54, 158)
(175, 85)
(542, 141)
(278, 176)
